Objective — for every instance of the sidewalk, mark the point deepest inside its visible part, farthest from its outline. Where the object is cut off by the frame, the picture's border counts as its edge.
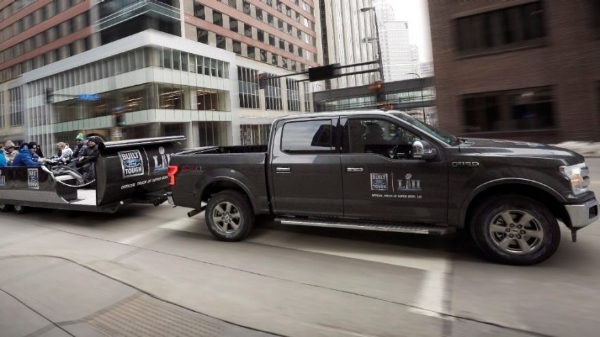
(52, 297)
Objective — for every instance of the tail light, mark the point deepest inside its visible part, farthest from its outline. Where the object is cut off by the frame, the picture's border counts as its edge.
(171, 173)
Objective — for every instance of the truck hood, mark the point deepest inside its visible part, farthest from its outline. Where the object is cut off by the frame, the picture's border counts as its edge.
(512, 148)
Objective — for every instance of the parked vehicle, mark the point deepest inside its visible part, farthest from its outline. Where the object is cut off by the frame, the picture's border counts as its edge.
(390, 172)
(129, 171)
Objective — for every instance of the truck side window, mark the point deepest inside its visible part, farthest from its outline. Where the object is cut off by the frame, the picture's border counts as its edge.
(377, 136)
(308, 136)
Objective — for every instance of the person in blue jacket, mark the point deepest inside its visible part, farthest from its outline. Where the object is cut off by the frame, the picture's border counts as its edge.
(23, 158)
(3, 161)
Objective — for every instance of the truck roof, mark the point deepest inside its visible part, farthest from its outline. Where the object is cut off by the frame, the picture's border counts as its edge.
(339, 113)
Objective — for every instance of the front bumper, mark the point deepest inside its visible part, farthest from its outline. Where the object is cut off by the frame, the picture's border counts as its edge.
(583, 214)
(170, 198)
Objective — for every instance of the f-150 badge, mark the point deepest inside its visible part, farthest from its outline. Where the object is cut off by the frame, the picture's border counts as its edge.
(465, 164)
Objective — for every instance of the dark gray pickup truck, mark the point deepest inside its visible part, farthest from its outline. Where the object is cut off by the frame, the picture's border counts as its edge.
(386, 171)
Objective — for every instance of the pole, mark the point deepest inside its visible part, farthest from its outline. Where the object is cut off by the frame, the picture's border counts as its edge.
(379, 58)
(422, 99)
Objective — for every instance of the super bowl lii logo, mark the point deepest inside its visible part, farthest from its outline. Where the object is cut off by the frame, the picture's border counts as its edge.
(164, 160)
(409, 184)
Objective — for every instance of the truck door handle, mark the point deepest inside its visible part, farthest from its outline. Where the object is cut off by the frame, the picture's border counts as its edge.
(283, 169)
(354, 169)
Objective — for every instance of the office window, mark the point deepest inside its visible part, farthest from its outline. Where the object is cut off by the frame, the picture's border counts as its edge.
(237, 47)
(263, 55)
(202, 35)
(500, 29)
(274, 59)
(199, 11)
(279, 7)
(233, 3)
(259, 14)
(221, 42)
(284, 62)
(290, 47)
(523, 109)
(233, 25)
(270, 19)
(248, 88)
(16, 107)
(307, 94)
(247, 30)
(281, 44)
(289, 29)
(273, 93)
(280, 25)
(260, 34)
(299, 33)
(218, 18)
(293, 94)
(251, 52)
(246, 7)
(299, 51)
(288, 11)
(271, 40)
(308, 136)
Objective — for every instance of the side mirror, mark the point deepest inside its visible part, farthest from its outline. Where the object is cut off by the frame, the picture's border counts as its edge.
(423, 150)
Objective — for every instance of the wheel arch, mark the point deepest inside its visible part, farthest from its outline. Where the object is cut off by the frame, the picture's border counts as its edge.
(543, 194)
(220, 184)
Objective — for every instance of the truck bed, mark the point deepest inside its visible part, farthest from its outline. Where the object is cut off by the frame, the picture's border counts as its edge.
(198, 169)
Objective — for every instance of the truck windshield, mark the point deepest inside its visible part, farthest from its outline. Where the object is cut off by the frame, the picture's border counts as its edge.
(448, 139)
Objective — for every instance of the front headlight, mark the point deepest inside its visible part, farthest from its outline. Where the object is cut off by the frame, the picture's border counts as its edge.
(578, 175)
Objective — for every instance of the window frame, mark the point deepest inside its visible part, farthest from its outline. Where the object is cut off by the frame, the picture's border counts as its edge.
(334, 148)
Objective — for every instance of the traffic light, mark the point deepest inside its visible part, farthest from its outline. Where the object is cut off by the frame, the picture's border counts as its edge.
(49, 96)
(324, 72)
(377, 87)
(119, 119)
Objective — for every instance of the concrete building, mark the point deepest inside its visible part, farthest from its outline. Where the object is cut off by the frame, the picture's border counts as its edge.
(166, 67)
(522, 69)
(348, 37)
(400, 58)
(426, 69)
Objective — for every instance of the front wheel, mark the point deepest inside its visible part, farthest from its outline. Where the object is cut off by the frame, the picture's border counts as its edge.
(4, 208)
(19, 209)
(229, 216)
(515, 229)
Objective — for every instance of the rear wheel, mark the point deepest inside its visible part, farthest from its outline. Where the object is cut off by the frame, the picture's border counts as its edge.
(4, 208)
(515, 229)
(20, 209)
(229, 216)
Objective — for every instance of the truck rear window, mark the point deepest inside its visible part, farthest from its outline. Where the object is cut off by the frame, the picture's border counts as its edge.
(308, 136)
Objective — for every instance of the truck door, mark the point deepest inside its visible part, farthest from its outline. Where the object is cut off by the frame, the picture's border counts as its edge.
(305, 169)
(381, 180)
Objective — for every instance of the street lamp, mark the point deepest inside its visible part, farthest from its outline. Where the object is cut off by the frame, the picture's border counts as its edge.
(379, 60)
(422, 100)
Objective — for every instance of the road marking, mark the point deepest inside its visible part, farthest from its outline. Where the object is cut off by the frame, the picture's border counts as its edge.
(431, 296)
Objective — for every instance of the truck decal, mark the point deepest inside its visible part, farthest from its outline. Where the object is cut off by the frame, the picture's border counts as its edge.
(132, 164)
(33, 180)
(379, 181)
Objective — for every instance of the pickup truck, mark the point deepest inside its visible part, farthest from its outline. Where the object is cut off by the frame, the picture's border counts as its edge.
(386, 171)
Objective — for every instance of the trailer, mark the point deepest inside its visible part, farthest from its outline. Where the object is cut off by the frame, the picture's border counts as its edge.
(128, 171)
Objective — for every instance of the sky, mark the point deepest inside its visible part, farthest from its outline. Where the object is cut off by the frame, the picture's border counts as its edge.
(416, 13)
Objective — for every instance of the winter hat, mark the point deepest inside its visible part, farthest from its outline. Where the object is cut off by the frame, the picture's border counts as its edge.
(9, 144)
(79, 137)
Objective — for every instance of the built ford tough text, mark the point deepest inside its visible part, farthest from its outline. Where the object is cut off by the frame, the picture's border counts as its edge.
(386, 171)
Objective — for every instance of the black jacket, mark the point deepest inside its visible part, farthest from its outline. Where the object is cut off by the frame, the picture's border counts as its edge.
(90, 155)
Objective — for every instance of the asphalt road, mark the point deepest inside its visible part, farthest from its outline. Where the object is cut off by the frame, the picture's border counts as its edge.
(63, 269)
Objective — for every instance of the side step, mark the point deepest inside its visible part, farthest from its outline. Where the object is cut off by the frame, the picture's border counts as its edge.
(413, 229)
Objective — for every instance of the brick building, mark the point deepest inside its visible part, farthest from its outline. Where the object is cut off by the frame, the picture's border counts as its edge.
(519, 69)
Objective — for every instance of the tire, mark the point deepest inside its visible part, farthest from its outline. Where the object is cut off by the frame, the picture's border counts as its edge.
(224, 211)
(19, 209)
(5, 208)
(514, 229)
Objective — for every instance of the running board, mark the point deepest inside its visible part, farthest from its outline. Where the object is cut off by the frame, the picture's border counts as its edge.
(413, 229)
